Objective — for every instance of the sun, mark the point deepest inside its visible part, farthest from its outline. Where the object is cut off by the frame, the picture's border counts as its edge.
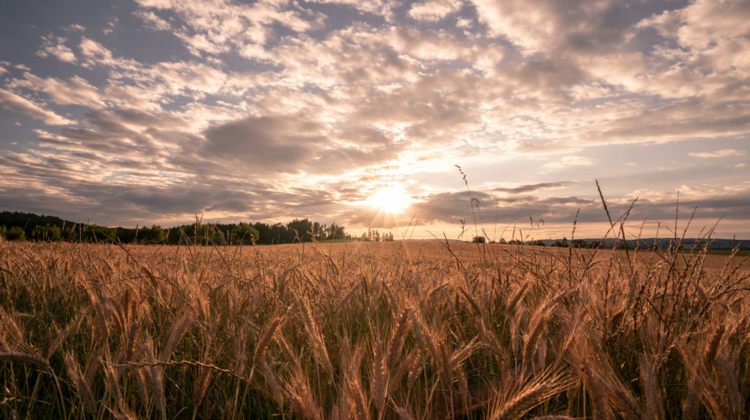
(390, 199)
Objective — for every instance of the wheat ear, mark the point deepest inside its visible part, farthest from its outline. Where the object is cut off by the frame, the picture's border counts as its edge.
(265, 340)
(272, 383)
(523, 403)
(178, 330)
(29, 358)
(379, 384)
(74, 370)
(397, 341)
(653, 406)
(539, 322)
(416, 367)
(730, 382)
(712, 347)
(200, 386)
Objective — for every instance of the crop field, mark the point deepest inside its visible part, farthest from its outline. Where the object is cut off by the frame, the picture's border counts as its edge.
(399, 330)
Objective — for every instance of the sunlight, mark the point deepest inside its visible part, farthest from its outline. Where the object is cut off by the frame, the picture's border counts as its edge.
(390, 199)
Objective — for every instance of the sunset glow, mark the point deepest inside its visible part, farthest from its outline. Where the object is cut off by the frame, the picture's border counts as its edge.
(391, 199)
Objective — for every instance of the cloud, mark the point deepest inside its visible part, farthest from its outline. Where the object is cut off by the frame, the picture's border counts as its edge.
(435, 10)
(305, 103)
(529, 187)
(56, 47)
(74, 91)
(276, 143)
(567, 161)
(152, 21)
(718, 153)
(75, 28)
(23, 105)
(547, 25)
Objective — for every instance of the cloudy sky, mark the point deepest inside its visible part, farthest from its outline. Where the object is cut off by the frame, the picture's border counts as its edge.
(358, 111)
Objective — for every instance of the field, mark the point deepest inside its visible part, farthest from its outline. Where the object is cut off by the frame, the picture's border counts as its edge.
(417, 330)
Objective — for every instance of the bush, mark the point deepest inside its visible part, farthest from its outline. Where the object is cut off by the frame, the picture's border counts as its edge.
(479, 240)
(16, 234)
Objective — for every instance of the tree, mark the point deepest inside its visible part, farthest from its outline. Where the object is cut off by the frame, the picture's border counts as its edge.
(302, 227)
(153, 235)
(336, 231)
(578, 243)
(204, 234)
(47, 233)
(245, 235)
(479, 240)
(539, 243)
(16, 233)
(94, 233)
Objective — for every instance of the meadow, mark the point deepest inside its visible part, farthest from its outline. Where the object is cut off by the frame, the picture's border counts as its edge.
(399, 330)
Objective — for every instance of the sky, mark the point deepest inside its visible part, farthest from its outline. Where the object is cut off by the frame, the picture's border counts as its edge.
(448, 115)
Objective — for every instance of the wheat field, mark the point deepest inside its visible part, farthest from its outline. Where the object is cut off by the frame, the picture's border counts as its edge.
(411, 331)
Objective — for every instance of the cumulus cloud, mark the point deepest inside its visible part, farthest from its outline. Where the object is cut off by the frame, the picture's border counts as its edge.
(56, 47)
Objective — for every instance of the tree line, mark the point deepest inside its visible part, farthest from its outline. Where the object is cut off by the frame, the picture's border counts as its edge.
(29, 226)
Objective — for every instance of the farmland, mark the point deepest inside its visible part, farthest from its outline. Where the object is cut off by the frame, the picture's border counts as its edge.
(409, 330)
